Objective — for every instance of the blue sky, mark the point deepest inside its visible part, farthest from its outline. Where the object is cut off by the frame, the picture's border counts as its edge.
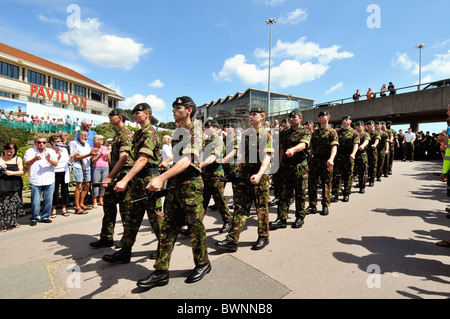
(155, 51)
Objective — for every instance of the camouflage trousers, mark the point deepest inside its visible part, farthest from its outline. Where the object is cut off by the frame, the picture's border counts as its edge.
(216, 188)
(372, 161)
(391, 157)
(247, 194)
(343, 173)
(183, 204)
(293, 179)
(232, 173)
(380, 162)
(133, 218)
(110, 201)
(319, 170)
(361, 163)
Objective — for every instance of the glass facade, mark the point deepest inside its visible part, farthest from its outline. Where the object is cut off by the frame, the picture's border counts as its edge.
(236, 108)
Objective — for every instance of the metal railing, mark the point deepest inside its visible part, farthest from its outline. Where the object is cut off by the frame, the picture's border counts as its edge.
(38, 127)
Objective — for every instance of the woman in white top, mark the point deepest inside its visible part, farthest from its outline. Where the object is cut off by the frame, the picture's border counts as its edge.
(81, 153)
(62, 176)
(166, 150)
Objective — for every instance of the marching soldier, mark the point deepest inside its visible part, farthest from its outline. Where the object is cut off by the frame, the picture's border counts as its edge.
(372, 152)
(146, 161)
(229, 162)
(393, 143)
(324, 144)
(184, 203)
(361, 159)
(120, 164)
(293, 171)
(383, 149)
(345, 159)
(212, 173)
(253, 185)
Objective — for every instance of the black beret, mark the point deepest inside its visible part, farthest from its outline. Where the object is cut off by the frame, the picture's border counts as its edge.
(141, 107)
(322, 113)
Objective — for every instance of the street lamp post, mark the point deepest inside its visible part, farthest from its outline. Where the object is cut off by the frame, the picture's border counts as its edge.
(270, 22)
(420, 47)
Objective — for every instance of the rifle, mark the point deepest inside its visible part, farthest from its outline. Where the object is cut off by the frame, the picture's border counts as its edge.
(112, 184)
(153, 195)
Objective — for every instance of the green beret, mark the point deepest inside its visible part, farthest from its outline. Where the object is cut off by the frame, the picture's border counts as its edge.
(295, 112)
(359, 123)
(211, 123)
(183, 100)
(118, 112)
(141, 107)
(370, 122)
(257, 109)
(229, 124)
(346, 117)
(309, 122)
(388, 122)
(323, 113)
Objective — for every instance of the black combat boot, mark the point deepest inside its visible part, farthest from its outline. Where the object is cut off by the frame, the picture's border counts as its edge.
(123, 255)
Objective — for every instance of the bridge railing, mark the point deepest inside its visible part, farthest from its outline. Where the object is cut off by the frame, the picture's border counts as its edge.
(378, 94)
(38, 127)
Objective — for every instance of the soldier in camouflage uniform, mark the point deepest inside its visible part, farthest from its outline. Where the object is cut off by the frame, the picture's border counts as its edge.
(345, 160)
(393, 143)
(229, 162)
(383, 148)
(293, 171)
(253, 185)
(212, 173)
(372, 152)
(323, 149)
(120, 163)
(361, 159)
(145, 154)
(184, 203)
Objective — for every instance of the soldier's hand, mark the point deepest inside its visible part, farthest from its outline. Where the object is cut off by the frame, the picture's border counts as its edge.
(105, 182)
(443, 178)
(254, 179)
(352, 157)
(289, 153)
(163, 165)
(155, 184)
(330, 164)
(120, 186)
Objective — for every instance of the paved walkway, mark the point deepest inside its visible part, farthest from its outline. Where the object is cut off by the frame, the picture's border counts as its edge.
(380, 245)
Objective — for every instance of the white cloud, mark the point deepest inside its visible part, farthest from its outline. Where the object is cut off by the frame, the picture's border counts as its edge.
(301, 62)
(294, 17)
(156, 84)
(438, 69)
(114, 86)
(156, 103)
(334, 88)
(104, 49)
(49, 20)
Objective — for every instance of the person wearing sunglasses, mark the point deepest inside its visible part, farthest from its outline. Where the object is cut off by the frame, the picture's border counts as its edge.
(42, 162)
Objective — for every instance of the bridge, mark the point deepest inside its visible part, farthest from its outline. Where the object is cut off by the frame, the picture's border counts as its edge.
(418, 106)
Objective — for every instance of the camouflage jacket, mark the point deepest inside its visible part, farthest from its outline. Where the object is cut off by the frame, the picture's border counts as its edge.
(347, 139)
(383, 138)
(122, 142)
(291, 138)
(213, 146)
(322, 140)
(146, 142)
(254, 146)
(374, 136)
(363, 136)
(188, 142)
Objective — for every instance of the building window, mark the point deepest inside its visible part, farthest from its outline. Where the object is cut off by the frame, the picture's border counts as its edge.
(96, 112)
(31, 99)
(9, 70)
(97, 96)
(36, 78)
(79, 90)
(5, 94)
(63, 106)
(60, 85)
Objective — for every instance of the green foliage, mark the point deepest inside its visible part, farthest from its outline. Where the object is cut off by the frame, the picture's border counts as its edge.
(18, 136)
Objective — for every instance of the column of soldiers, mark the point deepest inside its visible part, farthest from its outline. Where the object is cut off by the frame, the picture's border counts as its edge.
(309, 157)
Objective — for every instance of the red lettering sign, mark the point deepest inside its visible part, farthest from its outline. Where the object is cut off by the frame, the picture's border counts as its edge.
(40, 91)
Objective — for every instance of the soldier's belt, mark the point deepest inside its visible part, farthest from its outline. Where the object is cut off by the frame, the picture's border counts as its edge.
(186, 176)
(148, 172)
(213, 169)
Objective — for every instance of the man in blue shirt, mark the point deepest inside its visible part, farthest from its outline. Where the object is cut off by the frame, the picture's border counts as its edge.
(86, 126)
